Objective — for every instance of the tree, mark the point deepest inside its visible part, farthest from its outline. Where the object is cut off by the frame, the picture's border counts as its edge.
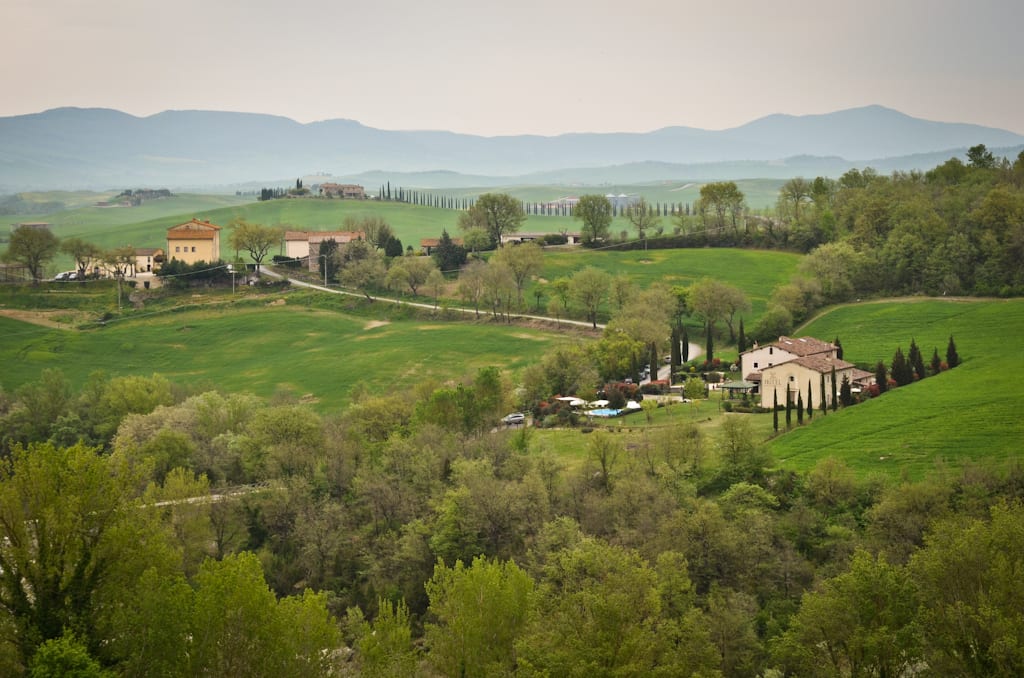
(435, 284)
(255, 239)
(835, 389)
(881, 377)
(936, 362)
(595, 211)
(375, 230)
(839, 348)
(69, 543)
(411, 272)
(793, 195)
(499, 287)
(643, 218)
(714, 300)
(476, 239)
(860, 623)
(709, 347)
(588, 288)
(328, 260)
(845, 392)
(900, 369)
(481, 611)
(799, 408)
(980, 157)
(119, 261)
(497, 213)
(916, 361)
(84, 253)
(789, 408)
(741, 339)
(724, 198)
(952, 357)
(810, 400)
(362, 267)
(449, 256)
(32, 248)
(775, 410)
(524, 261)
(385, 645)
(471, 284)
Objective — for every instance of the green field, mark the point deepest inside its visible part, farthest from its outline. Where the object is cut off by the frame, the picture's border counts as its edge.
(756, 272)
(318, 354)
(970, 413)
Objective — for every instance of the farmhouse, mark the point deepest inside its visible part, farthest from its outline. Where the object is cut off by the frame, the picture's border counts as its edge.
(506, 238)
(344, 191)
(194, 241)
(429, 245)
(754, 361)
(147, 259)
(802, 377)
(301, 244)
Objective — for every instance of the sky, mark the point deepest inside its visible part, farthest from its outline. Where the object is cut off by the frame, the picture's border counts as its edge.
(526, 67)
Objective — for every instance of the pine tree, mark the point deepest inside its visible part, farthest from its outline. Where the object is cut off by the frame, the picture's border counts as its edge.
(881, 377)
(839, 348)
(799, 408)
(936, 361)
(741, 341)
(952, 357)
(775, 410)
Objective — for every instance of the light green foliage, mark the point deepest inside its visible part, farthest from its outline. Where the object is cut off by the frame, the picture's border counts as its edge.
(256, 239)
(498, 213)
(860, 623)
(32, 248)
(694, 388)
(481, 612)
(972, 603)
(412, 272)
(385, 645)
(524, 261)
(246, 631)
(595, 211)
(65, 657)
(588, 288)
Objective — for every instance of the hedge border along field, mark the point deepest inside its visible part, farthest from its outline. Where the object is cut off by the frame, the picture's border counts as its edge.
(971, 413)
(317, 355)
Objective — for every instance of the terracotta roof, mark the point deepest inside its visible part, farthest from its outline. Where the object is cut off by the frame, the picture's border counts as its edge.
(147, 251)
(803, 346)
(862, 375)
(195, 229)
(434, 242)
(819, 363)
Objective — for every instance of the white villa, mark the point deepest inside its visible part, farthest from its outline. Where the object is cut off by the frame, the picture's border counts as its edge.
(796, 366)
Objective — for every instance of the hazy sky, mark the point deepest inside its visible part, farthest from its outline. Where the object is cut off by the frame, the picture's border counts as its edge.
(528, 66)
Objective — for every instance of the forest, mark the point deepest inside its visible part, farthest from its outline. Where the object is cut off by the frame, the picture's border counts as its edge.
(149, 530)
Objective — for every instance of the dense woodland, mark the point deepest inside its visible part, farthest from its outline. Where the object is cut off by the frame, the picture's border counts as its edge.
(150, 528)
(443, 547)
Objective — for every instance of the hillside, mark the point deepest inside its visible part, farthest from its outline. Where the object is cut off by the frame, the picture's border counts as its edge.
(101, 148)
(960, 416)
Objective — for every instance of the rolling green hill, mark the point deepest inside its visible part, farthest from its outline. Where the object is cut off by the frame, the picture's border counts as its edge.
(965, 414)
(318, 354)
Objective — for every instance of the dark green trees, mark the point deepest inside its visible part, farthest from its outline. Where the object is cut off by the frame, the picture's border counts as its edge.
(952, 357)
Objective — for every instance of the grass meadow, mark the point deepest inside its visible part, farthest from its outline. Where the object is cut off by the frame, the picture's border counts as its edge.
(316, 354)
(971, 413)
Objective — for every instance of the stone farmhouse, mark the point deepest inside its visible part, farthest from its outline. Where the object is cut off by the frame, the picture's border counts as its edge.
(343, 191)
(795, 367)
(193, 241)
(147, 259)
(303, 244)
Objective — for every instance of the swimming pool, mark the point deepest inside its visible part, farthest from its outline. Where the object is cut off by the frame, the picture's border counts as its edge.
(604, 412)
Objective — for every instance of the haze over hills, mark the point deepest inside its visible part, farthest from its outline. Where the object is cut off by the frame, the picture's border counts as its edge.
(72, 148)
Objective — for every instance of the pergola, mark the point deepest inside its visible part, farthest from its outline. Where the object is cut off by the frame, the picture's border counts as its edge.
(741, 386)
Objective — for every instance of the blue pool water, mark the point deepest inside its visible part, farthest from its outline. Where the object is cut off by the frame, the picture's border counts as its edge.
(604, 412)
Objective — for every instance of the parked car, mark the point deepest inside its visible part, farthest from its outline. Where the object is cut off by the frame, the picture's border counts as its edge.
(514, 419)
(66, 275)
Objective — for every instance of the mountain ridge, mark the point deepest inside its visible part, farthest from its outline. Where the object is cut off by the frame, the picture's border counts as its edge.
(72, 147)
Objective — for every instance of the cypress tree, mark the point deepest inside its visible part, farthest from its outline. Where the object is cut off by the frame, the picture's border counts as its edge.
(916, 360)
(839, 348)
(846, 392)
(684, 346)
(952, 357)
(824, 400)
(799, 408)
(835, 396)
(741, 342)
(810, 401)
(936, 361)
(900, 369)
(676, 355)
(710, 345)
(881, 378)
(789, 408)
(775, 410)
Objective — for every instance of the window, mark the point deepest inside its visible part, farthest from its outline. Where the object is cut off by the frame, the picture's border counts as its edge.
(771, 350)
(755, 366)
(193, 248)
(792, 378)
(177, 249)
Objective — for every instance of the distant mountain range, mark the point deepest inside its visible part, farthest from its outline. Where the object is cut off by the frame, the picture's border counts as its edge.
(74, 148)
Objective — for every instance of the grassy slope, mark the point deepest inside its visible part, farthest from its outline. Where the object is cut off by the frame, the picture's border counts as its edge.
(970, 413)
(262, 349)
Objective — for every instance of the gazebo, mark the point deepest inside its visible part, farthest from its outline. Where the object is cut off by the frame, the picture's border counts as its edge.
(741, 386)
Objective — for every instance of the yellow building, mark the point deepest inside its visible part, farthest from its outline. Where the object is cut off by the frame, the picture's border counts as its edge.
(194, 241)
